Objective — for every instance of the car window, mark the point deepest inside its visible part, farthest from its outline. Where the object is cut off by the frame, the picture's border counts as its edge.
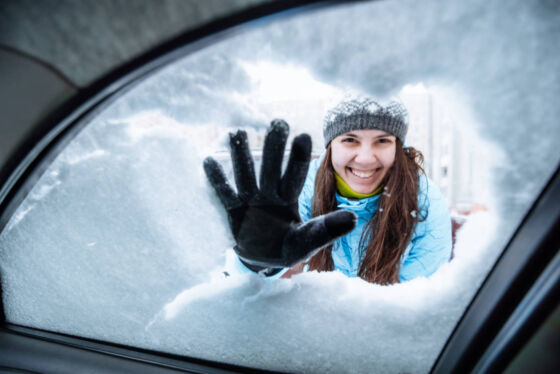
(123, 240)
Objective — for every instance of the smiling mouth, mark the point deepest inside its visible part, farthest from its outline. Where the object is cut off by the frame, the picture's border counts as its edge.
(364, 174)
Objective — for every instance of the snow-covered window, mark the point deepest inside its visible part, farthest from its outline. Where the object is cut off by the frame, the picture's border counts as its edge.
(123, 240)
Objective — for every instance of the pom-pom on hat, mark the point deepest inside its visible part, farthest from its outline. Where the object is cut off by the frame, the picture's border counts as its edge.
(364, 114)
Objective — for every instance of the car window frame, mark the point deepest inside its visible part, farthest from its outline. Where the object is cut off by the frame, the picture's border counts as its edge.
(507, 296)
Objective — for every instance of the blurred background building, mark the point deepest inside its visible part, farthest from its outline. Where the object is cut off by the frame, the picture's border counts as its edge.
(451, 157)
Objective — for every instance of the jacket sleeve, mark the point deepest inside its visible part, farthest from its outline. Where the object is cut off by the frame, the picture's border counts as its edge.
(431, 243)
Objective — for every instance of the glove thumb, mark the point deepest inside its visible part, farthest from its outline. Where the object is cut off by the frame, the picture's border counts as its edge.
(303, 241)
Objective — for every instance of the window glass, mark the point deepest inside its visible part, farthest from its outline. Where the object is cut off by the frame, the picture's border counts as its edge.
(123, 240)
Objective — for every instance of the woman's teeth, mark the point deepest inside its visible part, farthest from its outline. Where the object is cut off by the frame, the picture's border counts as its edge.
(362, 174)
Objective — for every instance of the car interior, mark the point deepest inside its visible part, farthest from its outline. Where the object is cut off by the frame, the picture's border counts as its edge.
(76, 79)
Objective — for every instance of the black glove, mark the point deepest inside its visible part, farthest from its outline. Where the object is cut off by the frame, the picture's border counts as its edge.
(265, 222)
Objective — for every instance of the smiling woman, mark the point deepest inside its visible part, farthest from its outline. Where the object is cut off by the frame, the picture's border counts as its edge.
(361, 160)
(367, 170)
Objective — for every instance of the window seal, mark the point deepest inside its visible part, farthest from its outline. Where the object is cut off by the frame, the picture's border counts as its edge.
(67, 345)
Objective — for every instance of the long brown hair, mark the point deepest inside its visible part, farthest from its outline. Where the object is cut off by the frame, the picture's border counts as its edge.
(390, 229)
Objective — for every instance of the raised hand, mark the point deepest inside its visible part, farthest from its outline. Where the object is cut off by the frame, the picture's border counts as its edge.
(264, 219)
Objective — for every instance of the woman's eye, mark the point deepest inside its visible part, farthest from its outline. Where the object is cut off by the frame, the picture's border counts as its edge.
(384, 140)
(348, 140)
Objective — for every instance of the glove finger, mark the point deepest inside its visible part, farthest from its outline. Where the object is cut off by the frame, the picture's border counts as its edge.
(217, 178)
(243, 166)
(296, 171)
(305, 240)
(273, 153)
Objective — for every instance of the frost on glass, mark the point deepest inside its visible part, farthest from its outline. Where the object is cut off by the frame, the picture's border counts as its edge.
(123, 240)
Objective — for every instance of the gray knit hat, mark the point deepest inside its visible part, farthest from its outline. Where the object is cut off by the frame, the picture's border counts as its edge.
(362, 114)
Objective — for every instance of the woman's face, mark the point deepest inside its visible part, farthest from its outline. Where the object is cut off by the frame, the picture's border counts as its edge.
(362, 158)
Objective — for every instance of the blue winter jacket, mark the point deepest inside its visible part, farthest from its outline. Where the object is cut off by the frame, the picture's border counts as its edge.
(429, 247)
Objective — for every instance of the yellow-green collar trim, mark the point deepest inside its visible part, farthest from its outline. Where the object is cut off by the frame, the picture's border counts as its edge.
(345, 190)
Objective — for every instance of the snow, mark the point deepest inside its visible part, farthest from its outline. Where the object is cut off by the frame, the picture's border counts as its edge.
(123, 240)
(325, 322)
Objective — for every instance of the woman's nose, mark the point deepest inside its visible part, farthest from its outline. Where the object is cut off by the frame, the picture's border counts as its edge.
(366, 155)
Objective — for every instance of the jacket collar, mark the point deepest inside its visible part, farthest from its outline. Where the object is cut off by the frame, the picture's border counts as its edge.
(368, 204)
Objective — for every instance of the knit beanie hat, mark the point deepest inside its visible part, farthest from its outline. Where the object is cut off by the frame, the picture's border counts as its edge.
(363, 114)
